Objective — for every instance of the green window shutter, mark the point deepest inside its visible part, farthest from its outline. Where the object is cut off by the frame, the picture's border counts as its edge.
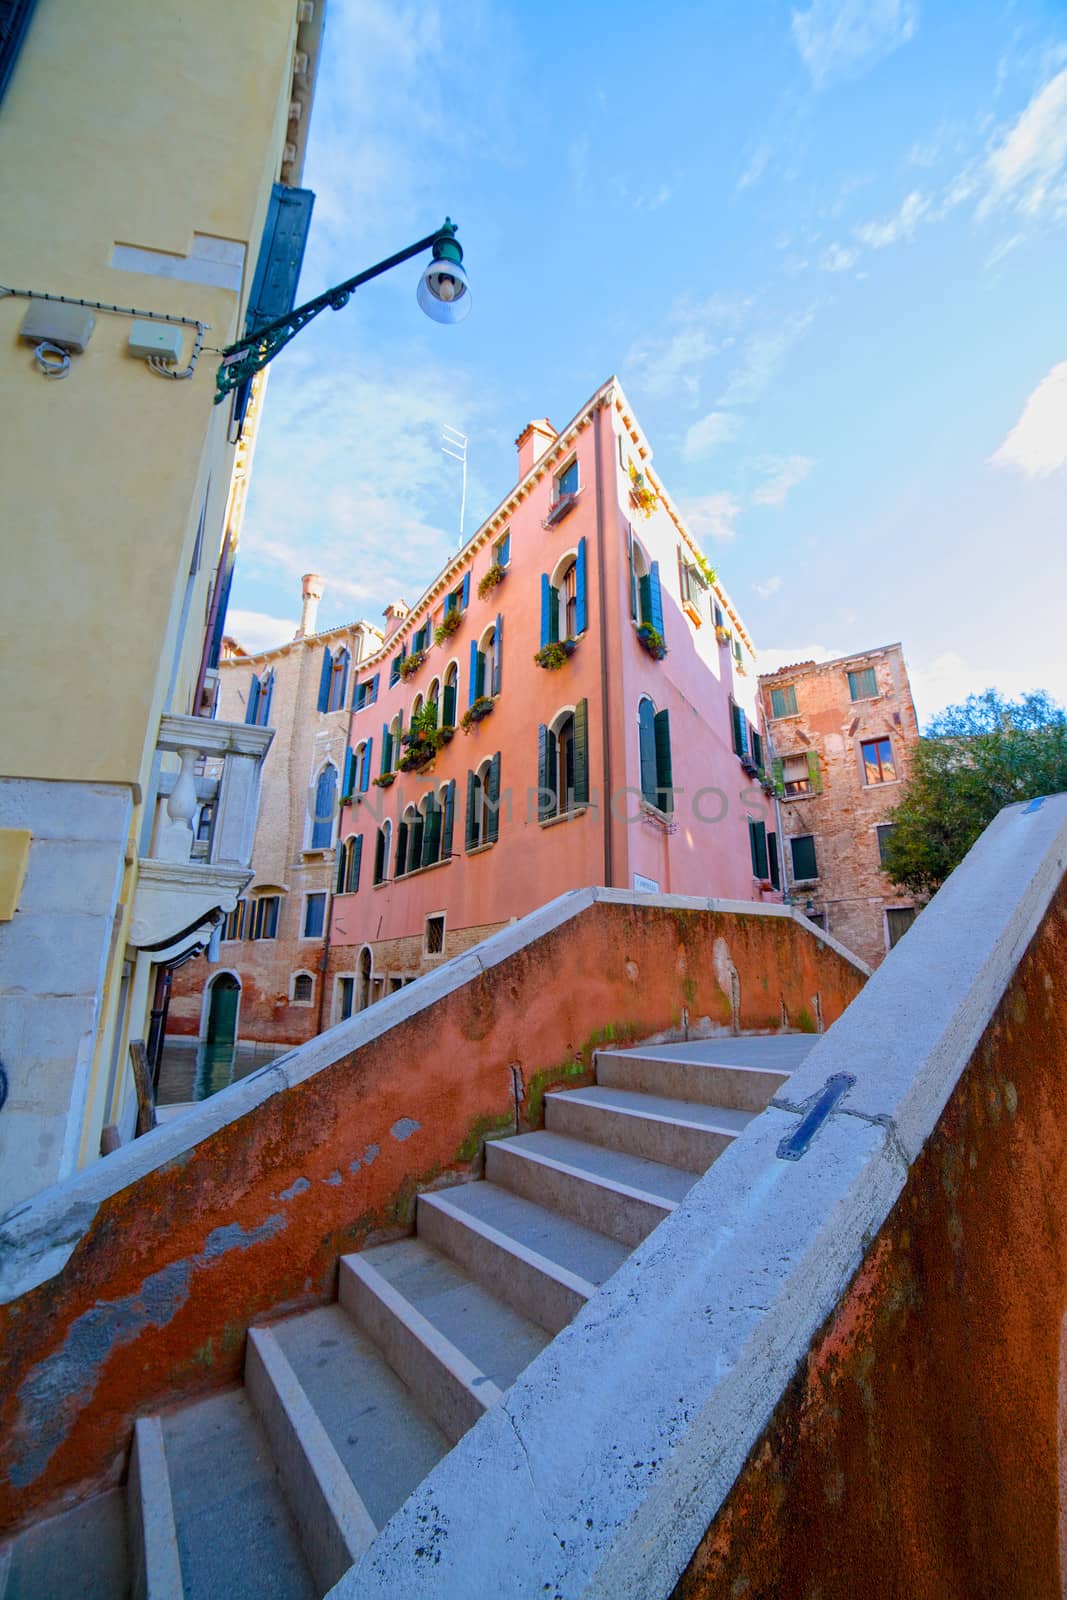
(757, 749)
(757, 838)
(431, 836)
(553, 615)
(778, 773)
(814, 772)
(355, 862)
(644, 589)
(655, 599)
(493, 797)
(342, 869)
(772, 851)
(633, 575)
(449, 818)
(581, 612)
(400, 858)
(740, 740)
(379, 856)
(472, 808)
(547, 799)
(449, 706)
(805, 864)
(863, 685)
(415, 836)
(646, 723)
(581, 753)
(253, 701)
(387, 750)
(664, 776)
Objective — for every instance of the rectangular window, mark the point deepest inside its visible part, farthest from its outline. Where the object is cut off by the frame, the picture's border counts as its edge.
(435, 934)
(567, 480)
(235, 922)
(818, 917)
(756, 743)
(265, 917)
(863, 685)
(775, 870)
(784, 701)
(898, 921)
(877, 761)
(366, 692)
(314, 915)
(805, 865)
(394, 668)
(502, 550)
(420, 639)
(346, 994)
(795, 776)
(738, 727)
(757, 839)
(716, 614)
(885, 833)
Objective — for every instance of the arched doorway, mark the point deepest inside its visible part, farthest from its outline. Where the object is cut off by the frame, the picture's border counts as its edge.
(221, 1030)
(363, 984)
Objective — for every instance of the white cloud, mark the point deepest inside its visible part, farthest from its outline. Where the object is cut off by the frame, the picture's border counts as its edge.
(578, 161)
(1004, 248)
(765, 590)
(653, 201)
(902, 225)
(755, 168)
(705, 436)
(762, 358)
(1037, 445)
(782, 475)
(1028, 169)
(712, 516)
(673, 364)
(842, 38)
(839, 258)
(256, 630)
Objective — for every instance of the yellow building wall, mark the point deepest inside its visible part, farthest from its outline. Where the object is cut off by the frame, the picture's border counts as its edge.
(138, 128)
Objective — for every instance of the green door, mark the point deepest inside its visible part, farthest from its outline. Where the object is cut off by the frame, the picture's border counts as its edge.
(222, 1012)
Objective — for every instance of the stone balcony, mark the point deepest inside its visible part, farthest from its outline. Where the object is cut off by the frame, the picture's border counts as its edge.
(205, 823)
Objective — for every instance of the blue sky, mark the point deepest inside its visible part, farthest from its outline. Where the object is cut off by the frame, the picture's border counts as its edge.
(822, 246)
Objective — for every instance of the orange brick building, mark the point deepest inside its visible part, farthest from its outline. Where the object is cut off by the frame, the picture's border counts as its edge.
(842, 734)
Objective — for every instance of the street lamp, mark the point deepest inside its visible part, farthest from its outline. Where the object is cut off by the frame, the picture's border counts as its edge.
(443, 293)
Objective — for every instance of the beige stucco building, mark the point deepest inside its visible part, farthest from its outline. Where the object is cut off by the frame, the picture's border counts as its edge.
(148, 156)
(842, 734)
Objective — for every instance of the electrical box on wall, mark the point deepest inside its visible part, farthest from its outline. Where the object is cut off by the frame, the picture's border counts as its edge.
(161, 339)
(51, 322)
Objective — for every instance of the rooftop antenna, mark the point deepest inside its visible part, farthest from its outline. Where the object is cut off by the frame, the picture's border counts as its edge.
(454, 444)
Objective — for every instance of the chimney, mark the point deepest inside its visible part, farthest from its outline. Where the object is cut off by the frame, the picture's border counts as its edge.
(532, 443)
(311, 593)
(394, 616)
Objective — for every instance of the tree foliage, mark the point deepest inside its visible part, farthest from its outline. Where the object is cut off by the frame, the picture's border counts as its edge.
(975, 758)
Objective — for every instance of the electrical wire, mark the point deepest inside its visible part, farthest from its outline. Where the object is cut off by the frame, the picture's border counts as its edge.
(155, 364)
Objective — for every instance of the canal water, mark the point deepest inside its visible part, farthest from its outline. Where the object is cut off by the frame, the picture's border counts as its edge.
(194, 1071)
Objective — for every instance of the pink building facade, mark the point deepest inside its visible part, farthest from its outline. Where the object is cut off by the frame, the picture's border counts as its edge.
(589, 755)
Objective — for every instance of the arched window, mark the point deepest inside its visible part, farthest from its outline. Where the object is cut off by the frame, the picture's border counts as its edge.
(485, 662)
(338, 681)
(349, 860)
(563, 763)
(654, 740)
(364, 977)
(483, 801)
(381, 851)
(302, 989)
(564, 613)
(433, 698)
(416, 706)
(324, 808)
(361, 757)
(430, 849)
(451, 695)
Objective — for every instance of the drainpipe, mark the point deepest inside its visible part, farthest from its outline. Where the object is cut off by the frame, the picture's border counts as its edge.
(787, 897)
(609, 874)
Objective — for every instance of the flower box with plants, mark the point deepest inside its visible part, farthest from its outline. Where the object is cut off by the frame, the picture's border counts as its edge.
(480, 709)
(642, 494)
(492, 580)
(422, 740)
(555, 655)
(650, 639)
(706, 570)
(722, 634)
(384, 781)
(448, 625)
(411, 664)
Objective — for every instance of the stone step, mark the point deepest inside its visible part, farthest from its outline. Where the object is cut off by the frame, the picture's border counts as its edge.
(335, 1525)
(678, 1133)
(236, 1534)
(155, 1566)
(607, 1190)
(540, 1262)
(736, 1072)
(496, 1340)
(81, 1552)
(382, 1434)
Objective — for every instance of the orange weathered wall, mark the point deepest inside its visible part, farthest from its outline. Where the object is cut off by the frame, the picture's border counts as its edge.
(155, 1300)
(916, 1452)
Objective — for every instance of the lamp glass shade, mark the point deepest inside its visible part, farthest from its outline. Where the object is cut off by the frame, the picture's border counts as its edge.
(444, 293)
